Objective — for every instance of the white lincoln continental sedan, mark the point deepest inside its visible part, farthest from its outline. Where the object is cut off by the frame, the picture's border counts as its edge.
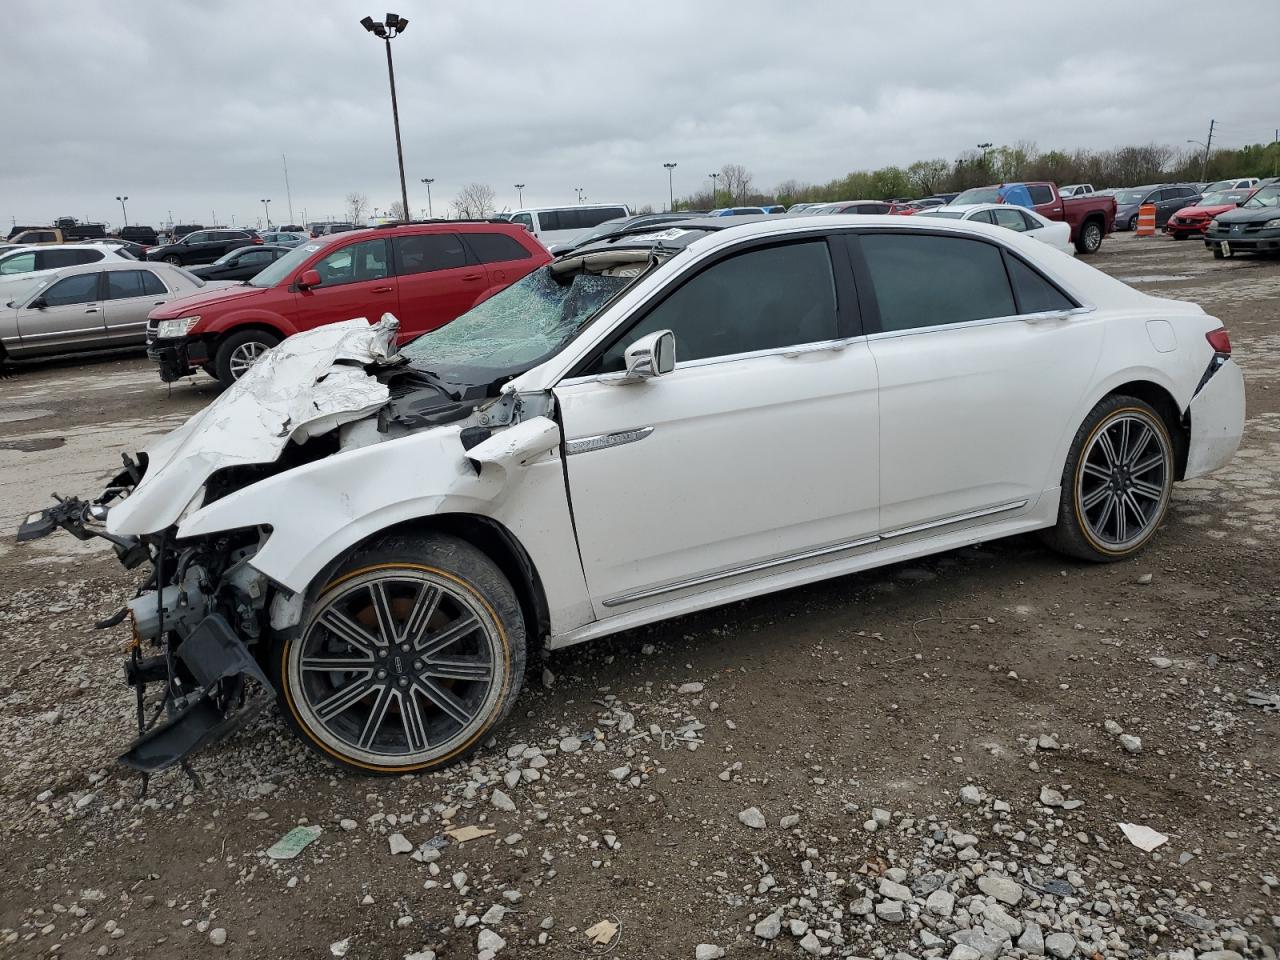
(653, 424)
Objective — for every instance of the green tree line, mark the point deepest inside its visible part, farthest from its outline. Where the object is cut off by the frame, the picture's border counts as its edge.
(1120, 167)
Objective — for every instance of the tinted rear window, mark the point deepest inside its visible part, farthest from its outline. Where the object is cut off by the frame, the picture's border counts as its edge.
(427, 252)
(496, 247)
(923, 281)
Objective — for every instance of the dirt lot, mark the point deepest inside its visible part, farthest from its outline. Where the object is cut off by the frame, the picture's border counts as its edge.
(861, 707)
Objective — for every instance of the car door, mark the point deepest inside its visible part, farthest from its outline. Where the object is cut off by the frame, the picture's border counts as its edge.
(129, 296)
(503, 258)
(355, 281)
(981, 359)
(67, 315)
(438, 280)
(757, 452)
(247, 263)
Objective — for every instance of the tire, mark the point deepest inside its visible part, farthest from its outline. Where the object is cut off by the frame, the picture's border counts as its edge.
(240, 351)
(1133, 222)
(1181, 236)
(1090, 237)
(445, 705)
(174, 261)
(1130, 431)
(1218, 254)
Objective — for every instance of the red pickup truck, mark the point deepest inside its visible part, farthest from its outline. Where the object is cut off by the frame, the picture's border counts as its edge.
(1090, 217)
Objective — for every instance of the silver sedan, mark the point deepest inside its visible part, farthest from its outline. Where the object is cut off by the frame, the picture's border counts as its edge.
(93, 306)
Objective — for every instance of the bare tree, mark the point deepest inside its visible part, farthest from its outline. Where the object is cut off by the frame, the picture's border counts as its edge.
(397, 211)
(736, 181)
(474, 201)
(927, 176)
(357, 206)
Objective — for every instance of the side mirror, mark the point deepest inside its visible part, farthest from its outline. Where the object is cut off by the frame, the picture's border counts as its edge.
(309, 279)
(653, 355)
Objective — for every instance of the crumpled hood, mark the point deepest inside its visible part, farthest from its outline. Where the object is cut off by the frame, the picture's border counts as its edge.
(307, 385)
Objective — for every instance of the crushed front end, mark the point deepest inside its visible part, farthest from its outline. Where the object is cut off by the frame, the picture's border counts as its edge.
(192, 620)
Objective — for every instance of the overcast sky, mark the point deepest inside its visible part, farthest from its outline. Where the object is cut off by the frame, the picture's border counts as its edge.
(187, 106)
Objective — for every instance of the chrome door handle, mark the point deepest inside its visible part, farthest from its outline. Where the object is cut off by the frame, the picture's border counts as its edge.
(90, 309)
(381, 290)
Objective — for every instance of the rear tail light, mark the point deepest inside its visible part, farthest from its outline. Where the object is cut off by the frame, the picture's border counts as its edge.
(258, 240)
(1219, 340)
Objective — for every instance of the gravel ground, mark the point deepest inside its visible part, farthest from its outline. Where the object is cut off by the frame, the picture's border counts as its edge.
(929, 760)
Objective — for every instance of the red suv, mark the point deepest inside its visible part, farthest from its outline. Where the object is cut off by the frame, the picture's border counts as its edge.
(425, 273)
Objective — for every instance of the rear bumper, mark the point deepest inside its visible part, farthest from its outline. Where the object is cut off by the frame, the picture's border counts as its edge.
(178, 358)
(1217, 421)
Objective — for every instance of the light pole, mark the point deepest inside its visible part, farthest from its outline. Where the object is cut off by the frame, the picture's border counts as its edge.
(391, 28)
(267, 210)
(671, 196)
(429, 181)
(520, 193)
(579, 189)
(984, 147)
(123, 212)
(715, 177)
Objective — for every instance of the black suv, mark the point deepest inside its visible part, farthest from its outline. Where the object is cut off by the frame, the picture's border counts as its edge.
(203, 246)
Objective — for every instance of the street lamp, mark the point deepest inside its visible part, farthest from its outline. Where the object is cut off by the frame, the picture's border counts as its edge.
(267, 210)
(386, 31)
(520, 193)
(123, 212)
(579, 189)
(984, 147)
(715, 177)
(429, 181)
(671, 196)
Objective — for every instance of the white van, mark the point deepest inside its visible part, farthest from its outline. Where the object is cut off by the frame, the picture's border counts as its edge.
(562, 224)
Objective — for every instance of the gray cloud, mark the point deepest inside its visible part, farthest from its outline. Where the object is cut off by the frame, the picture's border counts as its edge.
(188, 106)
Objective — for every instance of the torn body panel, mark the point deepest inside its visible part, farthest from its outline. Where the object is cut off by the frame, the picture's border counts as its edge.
(306, 386)
(1217, 420)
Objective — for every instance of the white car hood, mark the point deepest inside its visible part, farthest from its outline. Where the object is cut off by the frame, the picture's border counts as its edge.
(307, 385)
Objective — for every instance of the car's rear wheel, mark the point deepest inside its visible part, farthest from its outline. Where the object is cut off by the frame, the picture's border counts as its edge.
(1090, 238)
(240, 351)
(1117, 482)
(406, 657)
(1133, 222)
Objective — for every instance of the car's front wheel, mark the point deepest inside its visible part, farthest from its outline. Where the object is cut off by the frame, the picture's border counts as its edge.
(1117, 482)
(406, 657)
(240, 351)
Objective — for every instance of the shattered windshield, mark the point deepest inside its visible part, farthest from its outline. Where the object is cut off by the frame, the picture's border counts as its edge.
(518, 327)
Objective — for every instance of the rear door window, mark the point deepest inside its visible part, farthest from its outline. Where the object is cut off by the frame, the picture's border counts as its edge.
(550, 220)
(923, 281)
(496, 247)
(1010, 218)
(123, 284)
(429, 252)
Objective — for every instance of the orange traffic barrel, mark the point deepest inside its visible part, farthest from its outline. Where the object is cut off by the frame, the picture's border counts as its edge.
(1147, 220)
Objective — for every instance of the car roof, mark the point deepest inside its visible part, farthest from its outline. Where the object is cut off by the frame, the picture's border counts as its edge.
(568, 206)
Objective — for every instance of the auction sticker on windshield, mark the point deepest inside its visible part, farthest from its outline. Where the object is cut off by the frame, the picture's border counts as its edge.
(664, 235)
